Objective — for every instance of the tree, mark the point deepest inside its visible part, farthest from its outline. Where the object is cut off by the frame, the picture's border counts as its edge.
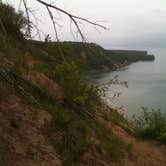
(51, 8)
(11, 22)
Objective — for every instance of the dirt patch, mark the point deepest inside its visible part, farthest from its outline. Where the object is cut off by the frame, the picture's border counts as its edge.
(41, 80)
(145, 153)
(22, 124)
(30, 60)
(4, 60)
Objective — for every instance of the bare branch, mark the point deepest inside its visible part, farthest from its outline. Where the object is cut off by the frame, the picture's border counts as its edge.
(72, 17)
(53, 22)
(35, 25)
(19, 6)
(28, 32)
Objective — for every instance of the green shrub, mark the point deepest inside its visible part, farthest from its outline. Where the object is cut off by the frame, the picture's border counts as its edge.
(77, 92)
(150, 125)
(69, 135)
(72, 137)
(68, 76)
(113, 144)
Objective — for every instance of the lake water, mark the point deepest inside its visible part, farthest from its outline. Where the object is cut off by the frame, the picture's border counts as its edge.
(146, 85)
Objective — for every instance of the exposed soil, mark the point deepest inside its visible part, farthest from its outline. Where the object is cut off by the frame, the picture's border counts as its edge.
(22, 124)
(41, 80)
(143, 153)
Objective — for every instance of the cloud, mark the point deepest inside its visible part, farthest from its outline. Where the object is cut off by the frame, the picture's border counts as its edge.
(138, 23)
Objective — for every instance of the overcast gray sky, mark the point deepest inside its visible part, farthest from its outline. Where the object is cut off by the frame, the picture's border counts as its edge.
(133, 23)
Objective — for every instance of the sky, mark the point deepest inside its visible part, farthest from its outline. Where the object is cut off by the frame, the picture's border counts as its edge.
(133, 23)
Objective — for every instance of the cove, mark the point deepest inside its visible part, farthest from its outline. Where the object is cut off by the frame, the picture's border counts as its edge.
(146, 85)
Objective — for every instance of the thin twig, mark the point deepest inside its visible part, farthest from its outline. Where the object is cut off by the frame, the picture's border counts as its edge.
(53, 22)
(74, 18)
(28, 32)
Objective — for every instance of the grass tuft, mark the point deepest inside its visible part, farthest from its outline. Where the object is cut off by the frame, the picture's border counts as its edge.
(150, 125)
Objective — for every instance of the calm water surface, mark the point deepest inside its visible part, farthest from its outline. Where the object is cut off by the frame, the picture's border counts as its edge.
(146, 85)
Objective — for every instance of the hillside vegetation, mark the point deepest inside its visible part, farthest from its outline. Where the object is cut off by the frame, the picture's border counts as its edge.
(45, 105)
(49, 114)
(94, 57)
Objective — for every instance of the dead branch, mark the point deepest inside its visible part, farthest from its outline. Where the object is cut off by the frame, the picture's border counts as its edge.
(74, 19)
(53, 22)
(28, 32)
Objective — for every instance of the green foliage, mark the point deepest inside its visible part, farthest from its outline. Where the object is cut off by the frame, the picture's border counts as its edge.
(74, 88)
(77, 92)
(117, 117)
(91, 56)
(111, 143)
(150, 125)
(43, 68)
(129, 148)
(72, 137)
(122, 56)
(69, 135)
(11, 23)
(162, 138)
